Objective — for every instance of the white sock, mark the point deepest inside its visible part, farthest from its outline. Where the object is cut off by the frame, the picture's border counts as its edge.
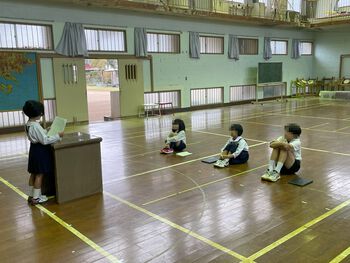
(31, 190)
(272, 164)
(36, 193)
(279, 167)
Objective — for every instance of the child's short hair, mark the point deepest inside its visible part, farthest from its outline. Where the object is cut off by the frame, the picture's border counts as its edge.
(238, 128)
(293, 128)
(180, 123)
(33, 108)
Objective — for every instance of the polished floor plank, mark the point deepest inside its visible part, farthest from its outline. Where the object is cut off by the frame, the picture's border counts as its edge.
(239, 212)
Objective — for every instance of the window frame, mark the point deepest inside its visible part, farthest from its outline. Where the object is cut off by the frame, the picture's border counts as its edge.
(163, 33)
(50, 38)
(223, 44)
(249, 38)
(287, 46)
(312, 47)
(98, 40)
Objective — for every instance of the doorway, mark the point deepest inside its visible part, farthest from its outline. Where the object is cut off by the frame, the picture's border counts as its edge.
(102, 80)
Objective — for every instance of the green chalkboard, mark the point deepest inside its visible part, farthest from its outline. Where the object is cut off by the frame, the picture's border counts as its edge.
(270, 72)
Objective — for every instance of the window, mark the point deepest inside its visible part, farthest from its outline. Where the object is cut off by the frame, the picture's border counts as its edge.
(25, 36)
(248, 46)
(237, 1)
(242, 93)
(105, 40)
(343, 3)
(211, 45)
(206, 96)
(279, 47)
(305, 48)
(294, 5)
(162, 97)
(163, 43)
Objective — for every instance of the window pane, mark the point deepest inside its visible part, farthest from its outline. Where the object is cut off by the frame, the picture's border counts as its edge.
(248, 46)
(294, 5)
(305, 48)
(168, 43)
(105, 40)
(152, 42)
(91, 39)
(343, 3)
(7, 36)
(212, 45)
(23, 36)
(163, 43)
(279, 47)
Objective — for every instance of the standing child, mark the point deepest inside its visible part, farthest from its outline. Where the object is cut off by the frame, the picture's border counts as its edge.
(40, 154)
(286, 154)
(236, 150)
(176, 141)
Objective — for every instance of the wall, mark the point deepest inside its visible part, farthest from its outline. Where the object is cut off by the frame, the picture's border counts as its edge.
(178, 71)
(331, 44)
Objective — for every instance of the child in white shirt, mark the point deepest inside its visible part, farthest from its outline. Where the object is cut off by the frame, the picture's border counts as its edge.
(40, 154)
(286, 154)
(176, 140)
(236, 150)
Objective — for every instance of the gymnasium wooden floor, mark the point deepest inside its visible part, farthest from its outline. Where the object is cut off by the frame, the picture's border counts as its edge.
(158, 208)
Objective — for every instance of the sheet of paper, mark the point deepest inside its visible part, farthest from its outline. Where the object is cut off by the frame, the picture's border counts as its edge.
(183, 154)
(58, 125)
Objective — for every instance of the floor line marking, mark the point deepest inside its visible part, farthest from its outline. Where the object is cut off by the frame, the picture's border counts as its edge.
(180, 228)
(341, 129)
(67, 226)
(343, 255)
(171, 166)
(305, 148)
(313, 117)
(203, 185)
(298, 231)
(318, 125)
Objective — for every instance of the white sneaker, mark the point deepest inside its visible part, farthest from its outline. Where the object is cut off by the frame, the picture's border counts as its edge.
(274, 176)
(266, 175)
(222, 163)
(44, 198)
(39, 200)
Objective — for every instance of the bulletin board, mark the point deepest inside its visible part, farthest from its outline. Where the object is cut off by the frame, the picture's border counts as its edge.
(18, 80)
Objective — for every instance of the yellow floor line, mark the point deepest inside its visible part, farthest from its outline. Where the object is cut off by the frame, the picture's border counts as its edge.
(180, 228)
(202, 185)
(341, 256)
(170, 166)
(68, 227)
(298, 231)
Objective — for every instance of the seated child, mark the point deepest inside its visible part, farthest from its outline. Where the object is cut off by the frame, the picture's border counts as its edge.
(176, 141)
(286, 154)
(235, 150)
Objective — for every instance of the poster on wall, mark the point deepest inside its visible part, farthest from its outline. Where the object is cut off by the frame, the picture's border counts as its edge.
(18, 80)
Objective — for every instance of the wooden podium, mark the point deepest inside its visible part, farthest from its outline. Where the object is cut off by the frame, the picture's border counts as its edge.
(78, 170)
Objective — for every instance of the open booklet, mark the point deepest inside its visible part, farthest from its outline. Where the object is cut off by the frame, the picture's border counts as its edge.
(58, 125)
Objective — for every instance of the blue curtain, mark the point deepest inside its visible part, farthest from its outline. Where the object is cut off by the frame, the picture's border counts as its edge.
(195, 45)
(233, 47)
(295, 49)
(140, 42)
(73, 41)
(267, 48)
